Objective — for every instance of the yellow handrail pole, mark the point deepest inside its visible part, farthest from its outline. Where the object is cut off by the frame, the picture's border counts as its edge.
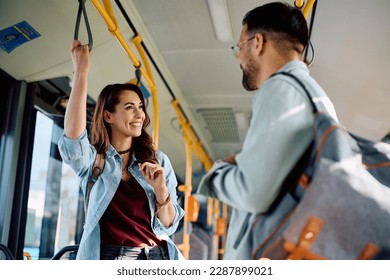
(196, 144)
(153, 89)
(113, 28)
(212, 204)
(299, 3)
(308, 7)
(216, 212)
(110, 12)
(156, 118)
(27, 255)
(137, 43)
(109, 18)
(200, 152)
(186, 188)
(224, 215)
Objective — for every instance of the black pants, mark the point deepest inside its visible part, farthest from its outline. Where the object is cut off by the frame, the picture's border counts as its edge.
(112, 252)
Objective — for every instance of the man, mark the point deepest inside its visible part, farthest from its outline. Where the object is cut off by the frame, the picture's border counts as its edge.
(272, 39)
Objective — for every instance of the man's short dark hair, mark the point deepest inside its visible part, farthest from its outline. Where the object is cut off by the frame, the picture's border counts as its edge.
(278, 18)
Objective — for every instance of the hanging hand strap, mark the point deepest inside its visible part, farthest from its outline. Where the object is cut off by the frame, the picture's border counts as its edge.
(83, 11)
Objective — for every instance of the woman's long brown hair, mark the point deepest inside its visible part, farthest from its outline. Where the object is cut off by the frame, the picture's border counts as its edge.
(142, 146)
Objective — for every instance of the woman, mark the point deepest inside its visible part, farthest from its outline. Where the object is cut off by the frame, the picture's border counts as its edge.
(132, 207)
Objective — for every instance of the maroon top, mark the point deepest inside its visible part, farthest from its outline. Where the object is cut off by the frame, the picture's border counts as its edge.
(126, 221)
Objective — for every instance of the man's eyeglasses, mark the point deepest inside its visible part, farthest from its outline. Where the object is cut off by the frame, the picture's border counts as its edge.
(236, 47)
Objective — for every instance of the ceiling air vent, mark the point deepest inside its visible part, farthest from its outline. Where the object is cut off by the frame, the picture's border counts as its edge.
(221, 124)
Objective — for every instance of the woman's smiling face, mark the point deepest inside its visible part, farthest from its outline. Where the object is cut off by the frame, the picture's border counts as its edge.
(129, 115)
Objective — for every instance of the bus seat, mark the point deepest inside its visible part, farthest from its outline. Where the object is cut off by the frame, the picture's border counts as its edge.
(5, 253)
(201, 243)
(66, 253)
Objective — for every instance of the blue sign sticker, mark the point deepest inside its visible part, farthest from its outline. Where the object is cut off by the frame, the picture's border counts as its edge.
(145, 91)
(16, 35)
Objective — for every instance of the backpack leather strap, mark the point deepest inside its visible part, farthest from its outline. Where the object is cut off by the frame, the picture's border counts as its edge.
(97, 169)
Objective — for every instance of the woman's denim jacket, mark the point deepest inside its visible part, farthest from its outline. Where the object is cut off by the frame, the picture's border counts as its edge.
(80, 155)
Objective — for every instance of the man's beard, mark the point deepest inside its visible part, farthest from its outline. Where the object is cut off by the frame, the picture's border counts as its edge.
(248, 78)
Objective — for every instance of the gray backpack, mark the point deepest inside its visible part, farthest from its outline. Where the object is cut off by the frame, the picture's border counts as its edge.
(335, 204)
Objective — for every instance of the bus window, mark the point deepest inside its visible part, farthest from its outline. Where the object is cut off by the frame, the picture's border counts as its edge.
(53, 200)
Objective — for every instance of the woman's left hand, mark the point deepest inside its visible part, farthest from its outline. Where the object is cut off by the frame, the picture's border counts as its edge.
(154, 174)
